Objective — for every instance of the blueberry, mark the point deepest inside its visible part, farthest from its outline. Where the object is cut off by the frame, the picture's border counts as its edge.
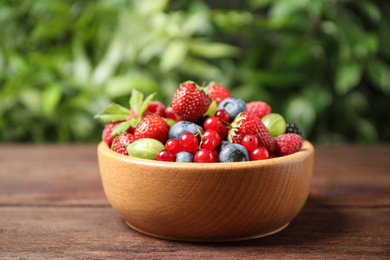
(184, 157)
(233, 153)
(224, 143)
(233, 106)
(183, 126)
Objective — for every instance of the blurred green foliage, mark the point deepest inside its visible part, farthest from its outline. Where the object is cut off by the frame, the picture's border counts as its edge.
(324, 64)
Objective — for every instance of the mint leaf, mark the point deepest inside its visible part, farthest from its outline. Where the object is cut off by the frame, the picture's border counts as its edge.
(124, 126)
(146, 103)
(136, 101)
(113, 112)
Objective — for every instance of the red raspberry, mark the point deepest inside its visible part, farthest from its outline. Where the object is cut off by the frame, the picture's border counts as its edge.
(107, 132)
(154, 108)
(121, 143)
(288, 143)
(258, 108)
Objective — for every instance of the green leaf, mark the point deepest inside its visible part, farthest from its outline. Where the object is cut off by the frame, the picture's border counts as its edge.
(212, 49)
(146, 103)
(369, 9)
(124, 126)
(259, 3)
(300, 111)
(136, 101)
(173, 55)
(51, 96)
(367, 132)
(347, 77)
(113, 112)
(379, 74)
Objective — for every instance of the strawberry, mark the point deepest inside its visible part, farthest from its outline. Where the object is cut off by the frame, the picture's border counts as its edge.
(190, 102)
(121, 142)
(247, 123)
(152, 127)
(218, 92)
(259, 108)
(288, 143)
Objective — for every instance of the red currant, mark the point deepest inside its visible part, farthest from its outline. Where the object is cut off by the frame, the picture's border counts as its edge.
(173, 145)
(216, 155)
(222, 114)
(213, 123)
(165, 155)
(224, 131)
(250, 142)
(209, 143)
(189, 142)
(204, 156)
(212, 134)
(260, 153)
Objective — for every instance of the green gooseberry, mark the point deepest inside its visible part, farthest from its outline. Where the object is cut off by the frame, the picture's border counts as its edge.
(145, 148)
(212, 109)
(275, 124)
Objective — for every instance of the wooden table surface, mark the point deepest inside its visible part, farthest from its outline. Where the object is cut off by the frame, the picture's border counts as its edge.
(52, 205)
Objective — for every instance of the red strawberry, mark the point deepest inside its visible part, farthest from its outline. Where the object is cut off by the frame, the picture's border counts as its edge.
(247, 123)
(288, 143)
(121, 142)
(152, 127)
(190, 102)
(107, 132)
(259, 108)
(218, 92)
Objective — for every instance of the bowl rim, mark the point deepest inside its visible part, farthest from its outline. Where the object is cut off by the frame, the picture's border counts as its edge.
(307, 150)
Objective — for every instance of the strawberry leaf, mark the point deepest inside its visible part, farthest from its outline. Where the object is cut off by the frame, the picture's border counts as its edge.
(136, 101)
(146, 103)
(113, 112)
(124, 126)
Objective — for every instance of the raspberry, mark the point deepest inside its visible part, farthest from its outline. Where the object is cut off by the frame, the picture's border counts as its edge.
(106, 134)
(288, 143)
(258, 108)
(293, 128)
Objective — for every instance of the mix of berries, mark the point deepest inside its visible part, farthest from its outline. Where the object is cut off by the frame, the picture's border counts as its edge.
(201, 125)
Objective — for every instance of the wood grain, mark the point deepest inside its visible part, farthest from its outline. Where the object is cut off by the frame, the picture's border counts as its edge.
(52, 205)
(207, 202)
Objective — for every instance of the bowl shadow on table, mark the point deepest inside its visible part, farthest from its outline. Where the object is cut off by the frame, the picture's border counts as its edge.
(317, 222)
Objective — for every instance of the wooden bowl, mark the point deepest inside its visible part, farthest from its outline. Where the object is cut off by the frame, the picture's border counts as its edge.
(207, 202)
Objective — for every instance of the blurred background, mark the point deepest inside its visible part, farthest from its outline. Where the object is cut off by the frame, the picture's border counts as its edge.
(324, 64)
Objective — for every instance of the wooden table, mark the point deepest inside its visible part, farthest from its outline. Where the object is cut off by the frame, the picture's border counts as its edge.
(52, 205)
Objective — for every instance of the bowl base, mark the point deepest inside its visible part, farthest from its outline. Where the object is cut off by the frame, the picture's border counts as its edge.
(231, 239)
